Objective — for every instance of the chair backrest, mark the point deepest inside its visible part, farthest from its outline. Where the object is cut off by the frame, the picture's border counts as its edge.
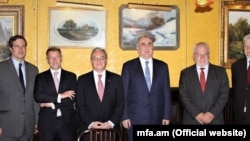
(99, 135)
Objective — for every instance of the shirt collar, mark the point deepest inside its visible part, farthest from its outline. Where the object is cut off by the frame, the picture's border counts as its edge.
(205, 67)
(59, 71)
(143, 60)
(96, 73)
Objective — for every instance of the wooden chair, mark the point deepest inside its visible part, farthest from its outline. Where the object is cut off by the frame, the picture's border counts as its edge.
(100, 135)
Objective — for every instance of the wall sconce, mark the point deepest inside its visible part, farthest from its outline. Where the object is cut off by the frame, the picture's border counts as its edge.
(149, 7)
(79, 5)
(203, 3)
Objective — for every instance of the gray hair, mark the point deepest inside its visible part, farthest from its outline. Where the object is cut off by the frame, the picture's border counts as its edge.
(201, 43)
(246, 37)
(99, 49)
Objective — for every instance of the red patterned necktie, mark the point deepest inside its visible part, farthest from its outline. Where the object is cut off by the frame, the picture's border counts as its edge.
(202, 79)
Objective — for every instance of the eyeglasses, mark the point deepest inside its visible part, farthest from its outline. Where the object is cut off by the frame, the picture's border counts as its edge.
(247, 47)
(201, 55)
(98, 58)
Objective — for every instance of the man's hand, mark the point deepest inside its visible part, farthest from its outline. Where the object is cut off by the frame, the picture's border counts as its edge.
(48, 105)
(68, 94)
(126, 123)
(1, 132)
(200, 117)
(36, 130)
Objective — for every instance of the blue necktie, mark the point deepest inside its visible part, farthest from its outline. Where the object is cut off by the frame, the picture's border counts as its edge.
(147, 75)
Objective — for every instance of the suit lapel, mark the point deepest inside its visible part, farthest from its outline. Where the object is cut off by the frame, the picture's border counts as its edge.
(194, 74)
(140, 73)
(92, 86)
(107, 84)
(50, 81)
(14, 73)
(62, 79)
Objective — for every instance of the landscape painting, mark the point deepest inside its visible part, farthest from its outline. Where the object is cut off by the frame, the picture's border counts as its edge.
(77, 28)
(6, 31)
(235, 25)
(164, 25)
(11, 23)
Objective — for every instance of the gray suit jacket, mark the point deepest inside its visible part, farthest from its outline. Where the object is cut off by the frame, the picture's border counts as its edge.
(18, 110)
(214, 98)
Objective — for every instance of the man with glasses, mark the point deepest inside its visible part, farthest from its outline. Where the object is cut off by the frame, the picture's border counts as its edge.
(203, 89)
(100, 95)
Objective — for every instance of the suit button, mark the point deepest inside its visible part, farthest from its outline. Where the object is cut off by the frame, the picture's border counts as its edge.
(23, 113)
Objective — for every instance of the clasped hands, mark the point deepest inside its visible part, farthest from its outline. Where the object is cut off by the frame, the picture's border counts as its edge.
(204, 118)
(100, 125)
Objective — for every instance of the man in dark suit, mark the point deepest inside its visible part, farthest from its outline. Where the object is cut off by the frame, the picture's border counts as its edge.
(241, 86)
(203, 103)
(57, 116)
(146, 104)
(100, 110)
(18, 109)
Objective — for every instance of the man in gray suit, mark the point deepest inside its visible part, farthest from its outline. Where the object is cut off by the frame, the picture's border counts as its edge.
(203, 104)
(18, 109)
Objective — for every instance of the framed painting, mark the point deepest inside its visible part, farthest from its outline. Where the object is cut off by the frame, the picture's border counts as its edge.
(160, 20)
(11, 23)
(77, 27)
(235, 25)
(4, 1)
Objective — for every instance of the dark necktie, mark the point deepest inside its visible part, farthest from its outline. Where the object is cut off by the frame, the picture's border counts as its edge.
(100, 87)
(248, 74)
(21, 76)
(147, 75)
(202, 79)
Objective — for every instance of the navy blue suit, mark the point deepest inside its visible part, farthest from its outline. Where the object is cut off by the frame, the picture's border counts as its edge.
(141, 105)
(45, 92)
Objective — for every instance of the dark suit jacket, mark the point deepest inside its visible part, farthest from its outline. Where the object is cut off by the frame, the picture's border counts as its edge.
(45, 91)
(213, 100)
(143, 106)
(89, 106)
(241, 92)
(17, 109)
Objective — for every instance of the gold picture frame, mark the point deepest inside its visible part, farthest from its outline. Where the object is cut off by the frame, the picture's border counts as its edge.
(3, 1)
(11, 23)
(77, 27)
(160, 20)
(235, 24)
